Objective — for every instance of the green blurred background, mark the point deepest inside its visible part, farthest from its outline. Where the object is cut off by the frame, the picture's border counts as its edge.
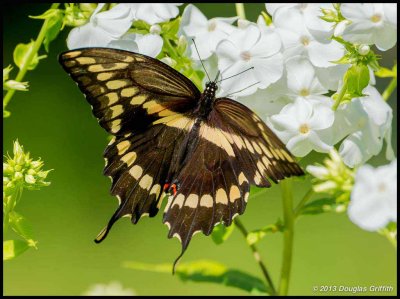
(53, 121)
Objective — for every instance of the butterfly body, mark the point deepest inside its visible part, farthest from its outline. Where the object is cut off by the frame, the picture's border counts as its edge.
(170, 139)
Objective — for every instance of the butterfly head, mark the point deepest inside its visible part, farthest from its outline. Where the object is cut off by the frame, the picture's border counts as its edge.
(211, 88)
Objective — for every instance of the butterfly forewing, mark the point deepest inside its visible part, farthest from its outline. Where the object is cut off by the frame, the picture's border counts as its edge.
(128, 91)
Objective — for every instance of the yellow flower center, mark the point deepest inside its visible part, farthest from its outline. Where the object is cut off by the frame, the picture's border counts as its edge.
(305, 40)
(376, 18)
(211, 26)
(382, 187)
(304, 92)
(304, 129)
(246, 56)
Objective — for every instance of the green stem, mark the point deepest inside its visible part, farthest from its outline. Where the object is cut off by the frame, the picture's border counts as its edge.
(288, 233)
(340, 96)
(389, 90)
(240, 11)
(302, 202)
(38, 42)
(257, 256)
(10, 207)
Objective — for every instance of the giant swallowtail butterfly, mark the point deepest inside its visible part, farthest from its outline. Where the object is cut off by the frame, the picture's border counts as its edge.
(171, 139)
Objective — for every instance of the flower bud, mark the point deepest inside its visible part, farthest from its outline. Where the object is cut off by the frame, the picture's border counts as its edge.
(169, 61)
(30, 179)
(12, 84)
(363, 49)
(155, 29)
(6, 72)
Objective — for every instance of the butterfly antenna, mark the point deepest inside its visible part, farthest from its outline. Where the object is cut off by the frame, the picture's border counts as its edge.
(201, 60)
(250, 68)
(216, 77)
(243, 89)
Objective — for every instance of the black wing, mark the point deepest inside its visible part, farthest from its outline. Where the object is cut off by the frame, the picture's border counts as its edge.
(146, 105)
(128, 91)
(235, 149)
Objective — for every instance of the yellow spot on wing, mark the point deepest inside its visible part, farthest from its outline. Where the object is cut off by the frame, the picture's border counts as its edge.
(234, 193)
(111, 98)
(221, 196)
(104, 76)
(86, 60)
(136, 172)
(138, 100)
(115, 84)
(179, 200)
(72, 54)
(130, 91)
(115, 126)
(146, 182)
(155, 189)
(123, 147)
(129, 158)
(116, 110)
(192, 201)
(206, 201)
(242, 178)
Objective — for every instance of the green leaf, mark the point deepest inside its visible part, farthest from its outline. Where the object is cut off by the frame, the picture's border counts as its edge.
(255, 236)
(357, 78)
(55, 18)
(385, 73)
(221, 233)
(22, 226)
(21, 54)
(13, 248)
(53, 29)
(321, 206)
(207, 271)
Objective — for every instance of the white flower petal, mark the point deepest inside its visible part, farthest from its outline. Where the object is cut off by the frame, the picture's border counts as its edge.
(193, 21)
(321, 54)
(87, 36)
(299, 145)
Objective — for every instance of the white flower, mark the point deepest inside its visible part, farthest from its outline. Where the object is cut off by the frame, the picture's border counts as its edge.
(369, 120)
(373, 201)
(247, 48)
(207, 33)
(299, 125)
(307, 13)
(101, 29)
(297, 40)
(371, 23)
(302, 82)
(112, 289)
(149, 44)
(152, 13)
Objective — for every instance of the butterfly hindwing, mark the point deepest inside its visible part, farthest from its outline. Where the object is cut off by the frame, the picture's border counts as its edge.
(261, 153)
(139, 165)
(211, 190)
(235, 150)
(128, 91)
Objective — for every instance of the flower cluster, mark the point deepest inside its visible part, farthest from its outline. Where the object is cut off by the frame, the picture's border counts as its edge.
(333, 178)
(110, 28)
(23, 171)
(293, 70)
